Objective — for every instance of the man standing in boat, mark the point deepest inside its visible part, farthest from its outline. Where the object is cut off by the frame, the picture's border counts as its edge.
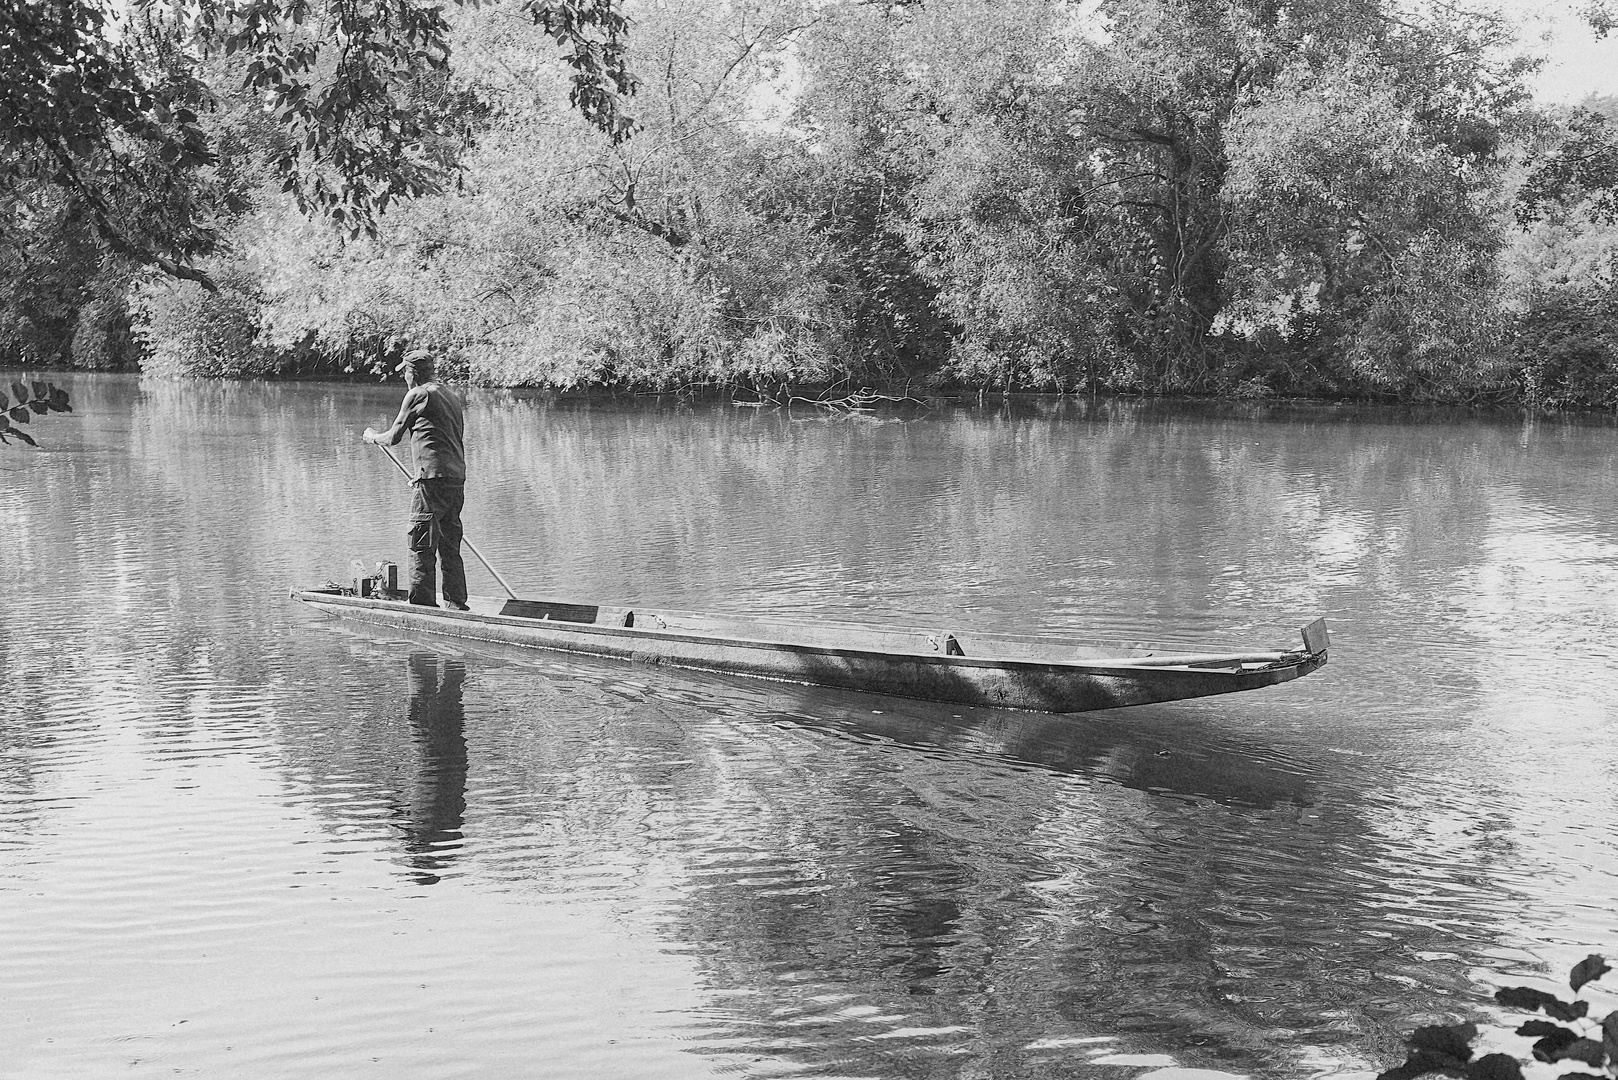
(434, 416)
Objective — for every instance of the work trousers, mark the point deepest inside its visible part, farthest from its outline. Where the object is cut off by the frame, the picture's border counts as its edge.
(435, 537)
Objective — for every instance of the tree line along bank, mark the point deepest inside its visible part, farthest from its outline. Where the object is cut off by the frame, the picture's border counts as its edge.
(1328, 198)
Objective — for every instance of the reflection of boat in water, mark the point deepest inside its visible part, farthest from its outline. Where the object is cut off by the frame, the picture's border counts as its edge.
(1164, 753)
(999, 670)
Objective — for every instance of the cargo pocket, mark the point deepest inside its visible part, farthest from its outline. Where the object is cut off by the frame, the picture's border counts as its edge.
(421, 532)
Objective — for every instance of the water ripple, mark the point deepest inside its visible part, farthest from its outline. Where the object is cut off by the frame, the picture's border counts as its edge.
(236, 839)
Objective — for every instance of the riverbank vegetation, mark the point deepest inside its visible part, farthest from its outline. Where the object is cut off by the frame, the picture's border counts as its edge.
(1343, 198)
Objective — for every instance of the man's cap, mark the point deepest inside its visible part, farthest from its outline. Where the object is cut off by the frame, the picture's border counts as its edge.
(413, 358)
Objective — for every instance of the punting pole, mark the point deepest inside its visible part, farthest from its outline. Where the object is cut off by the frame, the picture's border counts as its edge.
(464, 540)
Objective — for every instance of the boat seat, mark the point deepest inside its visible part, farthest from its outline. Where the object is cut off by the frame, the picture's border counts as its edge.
(544, 609)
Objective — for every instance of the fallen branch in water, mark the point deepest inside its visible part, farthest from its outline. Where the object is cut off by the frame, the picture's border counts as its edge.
(863, 400)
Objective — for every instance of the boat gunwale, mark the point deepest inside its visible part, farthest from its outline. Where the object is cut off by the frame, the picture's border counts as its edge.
(1232, 665)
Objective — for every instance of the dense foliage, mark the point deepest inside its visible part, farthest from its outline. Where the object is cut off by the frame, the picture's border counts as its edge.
(1223, 196)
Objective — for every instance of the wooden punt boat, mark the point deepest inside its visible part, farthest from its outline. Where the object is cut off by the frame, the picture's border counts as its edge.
(997, 670)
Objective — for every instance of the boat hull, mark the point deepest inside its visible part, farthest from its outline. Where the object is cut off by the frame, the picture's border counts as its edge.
(1044, 685)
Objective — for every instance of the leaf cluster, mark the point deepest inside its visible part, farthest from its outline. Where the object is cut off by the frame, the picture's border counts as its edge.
(106, 110)
(1569, 1035)
(1584, 166)
(45, 397)
(596, 37)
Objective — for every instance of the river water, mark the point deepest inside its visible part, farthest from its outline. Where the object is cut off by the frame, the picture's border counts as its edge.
(240, 840)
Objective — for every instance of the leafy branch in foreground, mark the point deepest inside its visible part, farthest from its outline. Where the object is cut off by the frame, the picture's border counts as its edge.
(1569, 1035)
(1584, 167)
(105, 103)
(46, 397)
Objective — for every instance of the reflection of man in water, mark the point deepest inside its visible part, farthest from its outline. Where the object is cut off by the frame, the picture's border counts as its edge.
(433, 415)
(437, 808)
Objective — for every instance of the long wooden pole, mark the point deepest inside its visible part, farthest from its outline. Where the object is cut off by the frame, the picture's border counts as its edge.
(464, 540)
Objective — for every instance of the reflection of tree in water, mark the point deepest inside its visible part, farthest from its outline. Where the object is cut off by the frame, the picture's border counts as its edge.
(986, 948)
(880, 888)
(1003, 882)
(1153, 750)
(1011, 893)
(435, 802)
